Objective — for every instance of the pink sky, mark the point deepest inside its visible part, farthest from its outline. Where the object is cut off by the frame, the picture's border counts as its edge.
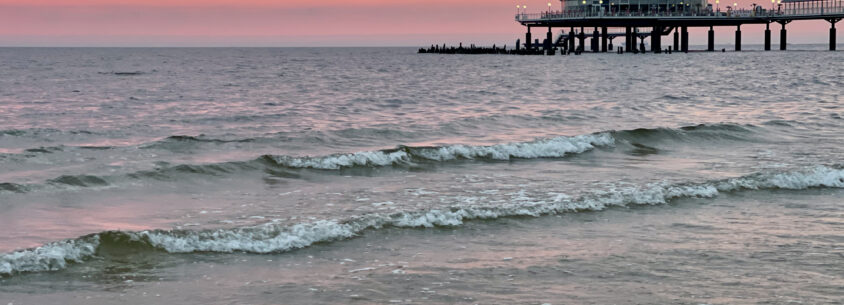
(289, 23)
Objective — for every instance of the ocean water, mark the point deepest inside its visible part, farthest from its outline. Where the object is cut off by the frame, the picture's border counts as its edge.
(371, 176)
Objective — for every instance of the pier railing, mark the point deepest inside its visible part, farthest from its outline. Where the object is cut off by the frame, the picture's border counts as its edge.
(733, 13)
(814, 11)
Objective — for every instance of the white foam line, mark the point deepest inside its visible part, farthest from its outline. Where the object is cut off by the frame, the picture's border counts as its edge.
(271, 237)
(545, 148)
(49, 257)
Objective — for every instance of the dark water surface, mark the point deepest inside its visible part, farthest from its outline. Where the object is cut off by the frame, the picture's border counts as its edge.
(270, 176)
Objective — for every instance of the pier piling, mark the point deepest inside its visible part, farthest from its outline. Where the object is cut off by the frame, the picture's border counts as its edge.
(711, 41)
(527, 40)
(656, 40)
(684, 39)
(768, 36)
(832, 33)
(604, 37)
(642, 45)
(677, 38)
(628, 38)
(738, 38)
(595, 41)
(582, 38)
(783, 37)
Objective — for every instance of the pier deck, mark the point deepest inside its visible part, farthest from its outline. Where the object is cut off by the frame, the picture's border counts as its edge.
(668, 19)
(664, 17)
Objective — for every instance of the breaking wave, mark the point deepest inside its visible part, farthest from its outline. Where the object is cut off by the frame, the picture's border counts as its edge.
(273, 237)
(545, 148)
(404, 155)
(556, 147)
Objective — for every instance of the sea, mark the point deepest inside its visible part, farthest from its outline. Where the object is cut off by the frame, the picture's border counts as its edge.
(382, 176)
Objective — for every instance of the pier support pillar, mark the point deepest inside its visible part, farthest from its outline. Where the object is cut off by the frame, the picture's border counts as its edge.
(677, 39)
(635, 38)
(684, 40)
(527, 40)
(571, 40)
(642, 45)
(710, 46)
(738, 38)
(582, 38)
(832, 34)
(549, 42)
(628, 39)
(767, 37)
(604, 37)
(783, 38)
(595, 41)
(656, 40)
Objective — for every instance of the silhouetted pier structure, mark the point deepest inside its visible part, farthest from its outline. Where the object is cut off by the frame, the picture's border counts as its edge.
(637, 20)
(472, 49)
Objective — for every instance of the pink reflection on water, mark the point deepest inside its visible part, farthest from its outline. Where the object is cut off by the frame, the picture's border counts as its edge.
(27, 227)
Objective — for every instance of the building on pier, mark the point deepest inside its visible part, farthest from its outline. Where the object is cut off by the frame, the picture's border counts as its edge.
(611, 6)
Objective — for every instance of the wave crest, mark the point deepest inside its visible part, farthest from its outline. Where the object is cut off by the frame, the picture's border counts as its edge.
(50, 257)
(273, 237)
(544, 148)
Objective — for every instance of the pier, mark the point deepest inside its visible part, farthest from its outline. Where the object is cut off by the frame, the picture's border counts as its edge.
(600, 21)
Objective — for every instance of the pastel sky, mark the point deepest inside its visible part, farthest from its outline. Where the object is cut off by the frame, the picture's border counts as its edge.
(289, 23)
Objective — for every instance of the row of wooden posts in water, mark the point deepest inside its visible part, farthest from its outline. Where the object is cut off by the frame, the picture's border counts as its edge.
(475, 50)
(566, 44)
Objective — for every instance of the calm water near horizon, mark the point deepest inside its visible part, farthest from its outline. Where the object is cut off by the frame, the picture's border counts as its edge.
(372, 176)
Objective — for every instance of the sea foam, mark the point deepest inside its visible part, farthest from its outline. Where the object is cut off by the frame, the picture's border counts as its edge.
(273, 237)
(543, 148)
(49, 257)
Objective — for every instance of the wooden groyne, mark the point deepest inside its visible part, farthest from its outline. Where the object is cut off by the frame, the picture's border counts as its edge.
(476, 50)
